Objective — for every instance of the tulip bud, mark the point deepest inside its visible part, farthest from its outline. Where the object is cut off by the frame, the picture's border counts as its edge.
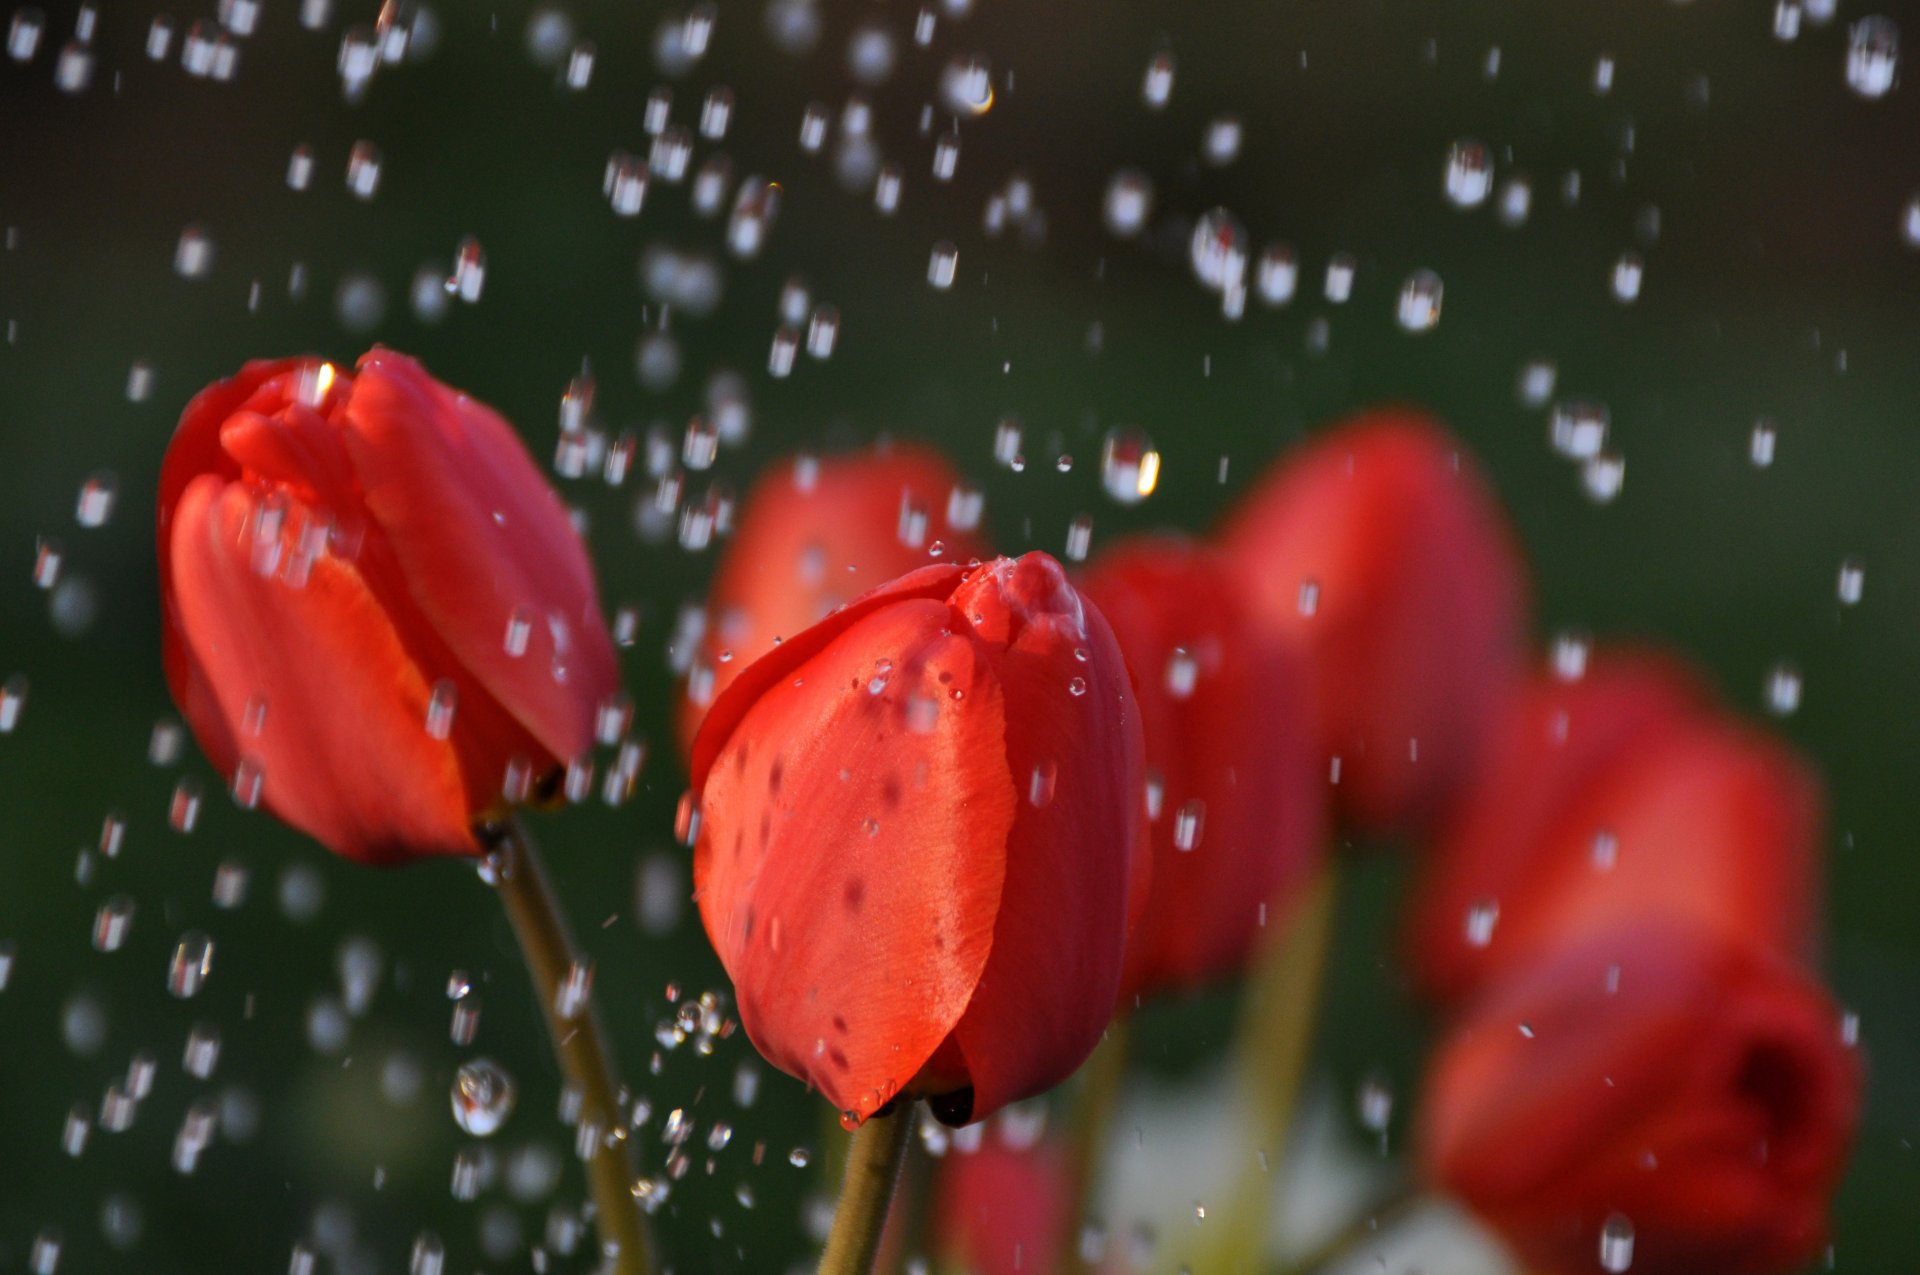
(813, 534)
(1619, 796)
(1235, 792)
(916, 824)
(1677, 1095)
(1379, 550)
(378, 619)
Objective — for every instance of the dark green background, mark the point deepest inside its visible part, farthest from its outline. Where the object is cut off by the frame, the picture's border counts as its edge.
(1780, 286)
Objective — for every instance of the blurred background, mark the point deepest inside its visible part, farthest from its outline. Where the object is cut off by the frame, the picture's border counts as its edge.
(1698, 219)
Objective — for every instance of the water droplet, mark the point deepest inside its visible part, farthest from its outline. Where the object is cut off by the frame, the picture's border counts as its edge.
(1482, 917)
(1616, 1244)
(482, 1097)
(1157, 88)
(1628, 272)
(1129, 466)
(1420, 297)
(1873, 56)
(966, 86)
(191, 964)
(363, 170)
(249, 779)
(942, 264)
(193, 256)
(1220, 145)
(112, 922)
(23, 34)
(1469, 174)
(1129, 202)
(202, 1052)
(1603, 476)
(1340, 271)
(1375, 1103)
(1783, 689)
(469, 270)
(13, 700)
(1760, 448)
(1183, 671)
(97, 495)
(1853, 579)
(1277, 276)
(1079, 538)
(1189, 822)
(1218, 249)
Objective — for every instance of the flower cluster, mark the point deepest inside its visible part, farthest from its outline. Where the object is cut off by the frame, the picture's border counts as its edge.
(951, 812)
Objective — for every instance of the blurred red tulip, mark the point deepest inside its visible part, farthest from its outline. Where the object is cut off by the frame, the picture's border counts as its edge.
(1655, 1098)
(1004, 1210)
(916, 824)
(1379, 549)
(1235, 785)
(378, 618)
(1617, 796)
(813, 534)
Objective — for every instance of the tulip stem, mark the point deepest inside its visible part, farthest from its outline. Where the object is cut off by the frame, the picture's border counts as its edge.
(579, 1043)
(1101, 1079)
(1273, 1044)
(874, 1156)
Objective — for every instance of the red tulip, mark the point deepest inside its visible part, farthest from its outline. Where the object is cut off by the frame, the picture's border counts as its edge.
(1618, 796)
(1659, 1081)
(1379, 549)
(378, 619)
(916, 824)
(814, 534)
(1235, 784)
(1004, 1210)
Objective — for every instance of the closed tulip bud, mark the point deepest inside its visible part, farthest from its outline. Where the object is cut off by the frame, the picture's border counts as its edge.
(378, 619)
(818, 532)
(1235, 790)
(917, 819)
(1655, 1098)
(1618, 796)
(1380, 551)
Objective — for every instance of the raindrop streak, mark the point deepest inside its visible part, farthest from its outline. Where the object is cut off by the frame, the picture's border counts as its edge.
(482, 1097)
(112, 922)
(1129, 466)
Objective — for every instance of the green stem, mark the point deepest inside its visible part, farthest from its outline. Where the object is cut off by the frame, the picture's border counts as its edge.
(579, 1044)
(874, 1156)
(1093, 1116)
(1272, 1047)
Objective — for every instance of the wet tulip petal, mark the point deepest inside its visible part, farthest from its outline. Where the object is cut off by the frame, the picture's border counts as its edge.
(854, 849)
(347, 710)
(814, 533)
(454, 489)
(1039, 1009)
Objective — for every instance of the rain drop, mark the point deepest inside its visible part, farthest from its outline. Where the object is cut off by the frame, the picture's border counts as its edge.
(482, 1097)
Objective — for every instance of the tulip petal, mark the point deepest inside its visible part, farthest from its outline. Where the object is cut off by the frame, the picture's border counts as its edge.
(1694, 1084)
(935, 582)
(1074, 750)
(481, 541)
(1229, 733)
(814, 534)
(1385, 556)
(1555, 744)
(865, 805)
(344, 751)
